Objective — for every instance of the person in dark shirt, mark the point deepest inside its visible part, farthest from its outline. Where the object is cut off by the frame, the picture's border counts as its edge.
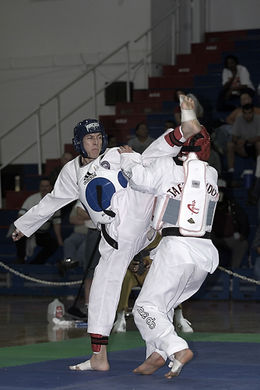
(230, 231)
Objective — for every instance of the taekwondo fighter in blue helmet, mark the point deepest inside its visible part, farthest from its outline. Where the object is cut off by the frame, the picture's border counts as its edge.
(122, 214)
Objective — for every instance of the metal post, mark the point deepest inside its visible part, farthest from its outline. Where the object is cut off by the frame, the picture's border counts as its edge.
(39, 146)
(128, 97)
(191, 21)
(1, 150)
(207, 16)
(95, 91)
(58, 126)
(173, 46)
(146, 73)
(177, 29)
(1, 190)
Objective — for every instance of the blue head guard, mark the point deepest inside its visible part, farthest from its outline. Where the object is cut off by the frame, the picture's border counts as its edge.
(88, 126)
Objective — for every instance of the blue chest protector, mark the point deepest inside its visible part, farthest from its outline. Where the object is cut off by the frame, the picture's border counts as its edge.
(97, 191)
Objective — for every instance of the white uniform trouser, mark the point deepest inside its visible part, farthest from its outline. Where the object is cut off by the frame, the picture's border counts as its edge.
(130, 231)
(174, 277)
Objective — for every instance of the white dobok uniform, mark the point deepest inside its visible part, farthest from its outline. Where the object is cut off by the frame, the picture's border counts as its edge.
(129, 226)
(180, 263)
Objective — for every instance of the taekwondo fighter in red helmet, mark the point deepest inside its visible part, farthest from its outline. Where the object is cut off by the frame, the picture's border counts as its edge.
(186, 197)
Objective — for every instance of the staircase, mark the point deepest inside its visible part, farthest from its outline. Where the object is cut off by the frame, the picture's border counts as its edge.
(198, 73)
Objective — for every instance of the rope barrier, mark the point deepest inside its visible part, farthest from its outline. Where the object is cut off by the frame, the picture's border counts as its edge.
(47, 282)
(76, 282)
(239, 276)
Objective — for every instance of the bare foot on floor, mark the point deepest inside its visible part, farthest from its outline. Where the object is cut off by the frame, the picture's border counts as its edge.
(97, 362)
(189, 122)
(150, 365)
(90, 365)
(181, 358)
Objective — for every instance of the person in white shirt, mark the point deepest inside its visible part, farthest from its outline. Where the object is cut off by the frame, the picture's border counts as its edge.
(235, 80)
(42, 237)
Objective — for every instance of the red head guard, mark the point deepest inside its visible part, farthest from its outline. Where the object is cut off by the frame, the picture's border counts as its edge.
(199, 143)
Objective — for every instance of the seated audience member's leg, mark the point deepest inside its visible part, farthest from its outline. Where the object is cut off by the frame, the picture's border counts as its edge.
(128, 283)
(91, 259)
(238, 249)
(257, 268)
(71, 245)
(49, 245)
(21, 250)
(81, 250)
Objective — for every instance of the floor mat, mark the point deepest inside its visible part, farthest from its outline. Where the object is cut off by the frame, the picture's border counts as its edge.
(216, 366)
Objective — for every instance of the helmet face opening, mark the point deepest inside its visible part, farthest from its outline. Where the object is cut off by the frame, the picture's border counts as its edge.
(88, 126)
(199, 143)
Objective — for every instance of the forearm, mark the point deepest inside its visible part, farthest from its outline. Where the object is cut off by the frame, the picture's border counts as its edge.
(253, 140)
(230, 119)
(77, 220)
(82, 213)
(235, 139)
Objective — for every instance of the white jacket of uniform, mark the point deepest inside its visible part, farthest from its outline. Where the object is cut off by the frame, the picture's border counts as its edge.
(164, 178)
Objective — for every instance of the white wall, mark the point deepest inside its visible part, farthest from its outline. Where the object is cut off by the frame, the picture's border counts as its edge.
(47, 43)
(224, 15)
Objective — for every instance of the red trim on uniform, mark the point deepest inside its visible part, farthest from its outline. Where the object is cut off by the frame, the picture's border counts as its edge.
(177, 133)
(174, 137)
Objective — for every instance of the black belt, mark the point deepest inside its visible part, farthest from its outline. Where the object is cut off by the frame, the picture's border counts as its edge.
(108, 238)
(174, 231)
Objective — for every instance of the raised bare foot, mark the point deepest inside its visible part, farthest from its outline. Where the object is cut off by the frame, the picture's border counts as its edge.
(181, 358)
(189, 122)
(97, 362)
(150, 365)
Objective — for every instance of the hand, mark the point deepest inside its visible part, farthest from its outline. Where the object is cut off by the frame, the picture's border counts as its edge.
(240, 142)
(125, 149)
(133, 266)
(16, 235)
(147, 262)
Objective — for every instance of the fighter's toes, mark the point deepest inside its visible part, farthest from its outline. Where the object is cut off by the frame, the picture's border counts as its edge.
(181, 358)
